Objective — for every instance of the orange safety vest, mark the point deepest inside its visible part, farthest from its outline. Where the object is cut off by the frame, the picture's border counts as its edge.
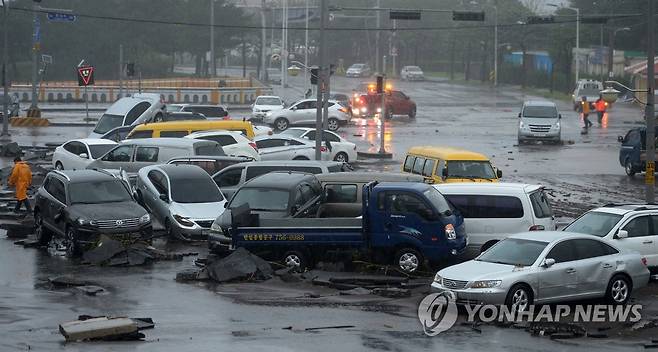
(600, 105)
(585, 107)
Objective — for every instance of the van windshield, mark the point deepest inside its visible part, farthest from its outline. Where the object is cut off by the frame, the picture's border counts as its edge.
(262, 199)
(470, 169)
(108, 122)
(540, 112)
(438, 201)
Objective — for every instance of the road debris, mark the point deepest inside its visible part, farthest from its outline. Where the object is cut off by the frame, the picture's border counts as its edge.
(239, 265)
(111, 252)
(105, 328)
(391, 292)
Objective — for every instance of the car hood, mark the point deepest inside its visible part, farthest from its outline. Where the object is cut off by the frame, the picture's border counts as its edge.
(540, 120)
(198, 210)
(477, 270)
(106, 211)
(268, 107)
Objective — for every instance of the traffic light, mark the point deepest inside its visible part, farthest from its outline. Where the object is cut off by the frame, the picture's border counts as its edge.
(541, 19)
(130, 70)
(314, 76)
(380, 85)
(467, 16)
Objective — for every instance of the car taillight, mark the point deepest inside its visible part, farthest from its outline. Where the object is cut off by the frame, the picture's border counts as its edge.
(342, 110)
(644, 261)
(451, 234)
(537, 228)
(323, 149)
(253, 145)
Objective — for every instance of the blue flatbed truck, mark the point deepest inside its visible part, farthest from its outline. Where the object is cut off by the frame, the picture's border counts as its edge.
(402, 224)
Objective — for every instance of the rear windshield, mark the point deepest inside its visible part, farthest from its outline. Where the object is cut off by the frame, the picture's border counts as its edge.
(98, 192)
(540, 112)
(268, 101)
(541, 205)
(195, 190)
(142, 134)
(470, 169)
(261, 199)
(213, 149)
(108, 122)
(98, 150)
(594, 223)
(254, 171)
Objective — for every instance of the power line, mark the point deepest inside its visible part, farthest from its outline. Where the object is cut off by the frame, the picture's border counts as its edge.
(228, 26)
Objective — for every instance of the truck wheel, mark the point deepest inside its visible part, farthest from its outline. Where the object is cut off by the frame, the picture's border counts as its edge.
(628, 167)
(295, 260)
(408, 260)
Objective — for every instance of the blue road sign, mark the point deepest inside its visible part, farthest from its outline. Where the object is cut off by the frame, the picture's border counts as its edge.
(61, 17)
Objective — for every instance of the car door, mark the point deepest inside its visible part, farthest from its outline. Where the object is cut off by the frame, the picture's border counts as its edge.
(641, 237)
(561, 278)
(145, 156)
(296, 112)
(595, 266)
(57, 204)
(160, 185)
(229, 180)
(119, 157)
(70, 158)
(309, 112)
(298, 149)
(406, 220)
(274, 149)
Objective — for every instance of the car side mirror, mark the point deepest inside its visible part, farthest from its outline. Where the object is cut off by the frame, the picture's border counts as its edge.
(293, 108)
(84, 155)
(621, 234)
(226, 205)
(519, 115)
(620, 139)
(164, 198)
(499, 173)
(548, 262)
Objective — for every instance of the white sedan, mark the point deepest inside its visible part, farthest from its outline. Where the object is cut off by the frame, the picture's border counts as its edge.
(264, 104)
(233, 143)
(282, 147)
(303, 112)
(340, 149)
(76, 154)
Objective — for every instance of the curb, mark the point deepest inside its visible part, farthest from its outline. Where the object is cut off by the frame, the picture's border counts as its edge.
(375, 155)
(29, 122)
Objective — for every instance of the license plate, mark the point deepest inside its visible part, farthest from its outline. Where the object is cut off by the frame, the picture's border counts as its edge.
(205, 232)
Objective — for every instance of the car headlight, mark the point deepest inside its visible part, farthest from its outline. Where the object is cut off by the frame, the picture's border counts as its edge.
(268, 114)
(83, 222)
(485, 284)
(438, 279)
(145, 219)
(364, 110)
(557, 126)
(521, 125)
(183, 220)
(256, 110)
(215, 227)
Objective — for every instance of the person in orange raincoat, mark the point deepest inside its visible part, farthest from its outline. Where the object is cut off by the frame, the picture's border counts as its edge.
(600, 105)
(21, 178)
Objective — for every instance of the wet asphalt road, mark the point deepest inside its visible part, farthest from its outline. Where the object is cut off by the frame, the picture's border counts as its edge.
(250, 317)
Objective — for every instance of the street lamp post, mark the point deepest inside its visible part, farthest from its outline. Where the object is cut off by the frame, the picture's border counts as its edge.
(35, 51)
(577, 36)
(650, 111)
(495, 45)
(213, 64)
(611, 50)
(5, 63)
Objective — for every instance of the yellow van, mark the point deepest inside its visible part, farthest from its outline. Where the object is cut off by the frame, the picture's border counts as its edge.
(183, 128)
(447, 164)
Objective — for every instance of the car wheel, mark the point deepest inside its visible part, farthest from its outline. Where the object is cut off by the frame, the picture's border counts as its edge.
(341, 157)
(71, 243)
(281, 124)
(59, 166)
(628, 167)
(408, 260)
(42, 234)
(519, 298)
(412, 113)
(333, 124)
(619, 290)
(295, 260)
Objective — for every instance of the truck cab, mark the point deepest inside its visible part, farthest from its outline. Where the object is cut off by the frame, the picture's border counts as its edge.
(632, 153)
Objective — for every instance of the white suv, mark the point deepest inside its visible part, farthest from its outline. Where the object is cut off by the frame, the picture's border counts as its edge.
(233, 143)
(630, 226)
(303, 112)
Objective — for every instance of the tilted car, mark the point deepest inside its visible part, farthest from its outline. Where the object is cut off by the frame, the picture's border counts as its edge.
(78, 153)
(545, 267)
(73, 208)
(183, 198)
(233, 143)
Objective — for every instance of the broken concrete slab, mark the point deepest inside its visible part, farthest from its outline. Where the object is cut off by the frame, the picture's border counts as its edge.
(192, 275)
(106, 249)
(67, 281)
(286, 275)
(364, 280)
(391, 292)
(356, 292)
(144, 323)
(240, 264)
(28, 243)
(98, 328)
(91, 290)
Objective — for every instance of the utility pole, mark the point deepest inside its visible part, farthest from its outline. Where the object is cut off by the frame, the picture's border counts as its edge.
(213, 64)
(263, 41)
(306, 48)
(394, 48)
(577, 43)
(5, 77)
(35, 53)
(120, 71)
(611, 50)
(650, 110)
(378, 25)
(495, 45)
(284, 44)
(321, 73)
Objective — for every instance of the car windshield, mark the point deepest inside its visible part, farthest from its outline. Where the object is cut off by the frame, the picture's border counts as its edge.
(588, 92)
(98, 150)
(357, 66)
(540, 111)
(268, 101)
(262, 199)
(293, 132)
(108, 122)
(438, 201)
(95, 192)
(413, 69)
(594, 223)
(470, 169)
(195, 190)
(513, 251)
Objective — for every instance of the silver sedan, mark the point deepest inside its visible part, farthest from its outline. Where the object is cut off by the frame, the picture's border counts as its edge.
(545, 266)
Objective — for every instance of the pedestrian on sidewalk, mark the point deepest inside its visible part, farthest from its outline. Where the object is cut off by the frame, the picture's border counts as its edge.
(21, 178)
(585, 110)
(600, 105)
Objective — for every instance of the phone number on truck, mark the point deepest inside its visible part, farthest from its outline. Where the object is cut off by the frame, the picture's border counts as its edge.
(264, 237)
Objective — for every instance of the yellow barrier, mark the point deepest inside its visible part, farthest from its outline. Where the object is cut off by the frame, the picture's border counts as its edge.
(28, 122)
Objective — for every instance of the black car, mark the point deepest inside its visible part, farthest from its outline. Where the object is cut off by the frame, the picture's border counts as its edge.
(180, 116)
(274, 195)
(75, 207)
